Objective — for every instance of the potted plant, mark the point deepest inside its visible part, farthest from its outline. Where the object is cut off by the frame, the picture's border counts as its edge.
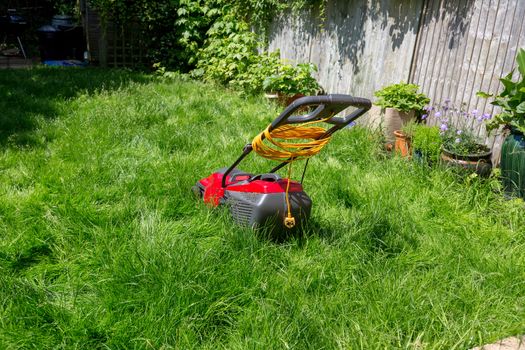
(291, 82)
(511, 100)
(426, 143)
(461, 147)
(399, 103)
(403, 139)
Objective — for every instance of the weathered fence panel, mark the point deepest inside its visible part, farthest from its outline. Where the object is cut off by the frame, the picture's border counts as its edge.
(361, 46)
(464, 47)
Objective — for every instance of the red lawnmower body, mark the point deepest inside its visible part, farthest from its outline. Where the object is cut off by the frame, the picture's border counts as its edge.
(255, 200)
(214, 192)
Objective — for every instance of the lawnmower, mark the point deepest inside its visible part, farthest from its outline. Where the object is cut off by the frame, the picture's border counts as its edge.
(268, 200)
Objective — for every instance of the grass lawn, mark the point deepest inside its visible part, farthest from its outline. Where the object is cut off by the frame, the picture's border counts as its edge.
(103, 246)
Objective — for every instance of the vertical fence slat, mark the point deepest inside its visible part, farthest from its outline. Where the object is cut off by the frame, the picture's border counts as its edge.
(430, 53)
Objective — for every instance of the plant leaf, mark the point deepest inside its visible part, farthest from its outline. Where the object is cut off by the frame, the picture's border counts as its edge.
(509, 86)
(521, 108)
(483, 94)
(521, 62)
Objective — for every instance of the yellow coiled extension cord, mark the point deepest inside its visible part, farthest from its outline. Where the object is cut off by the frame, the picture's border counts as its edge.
(291, 151)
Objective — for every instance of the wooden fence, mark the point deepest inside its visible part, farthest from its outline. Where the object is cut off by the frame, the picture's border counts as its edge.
(452, 49)
(465, 47)
(358, 48)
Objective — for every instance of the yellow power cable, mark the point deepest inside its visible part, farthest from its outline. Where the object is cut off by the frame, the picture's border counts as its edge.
(291, 151)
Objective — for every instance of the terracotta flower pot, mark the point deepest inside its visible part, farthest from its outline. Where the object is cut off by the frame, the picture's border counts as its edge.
(402, 144)
(480, 163)
(393, 120)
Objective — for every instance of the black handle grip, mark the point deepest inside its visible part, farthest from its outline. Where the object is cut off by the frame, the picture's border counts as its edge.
(326, 106)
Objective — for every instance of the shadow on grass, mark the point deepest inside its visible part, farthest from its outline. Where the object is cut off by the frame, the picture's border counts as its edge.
(379, 236)
(277, 234)
(26, 258)
(27, 95)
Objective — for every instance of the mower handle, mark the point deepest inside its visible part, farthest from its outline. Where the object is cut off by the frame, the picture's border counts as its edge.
(326, 107)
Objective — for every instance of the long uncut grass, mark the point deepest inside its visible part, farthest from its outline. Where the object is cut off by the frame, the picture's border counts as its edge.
(103, 246)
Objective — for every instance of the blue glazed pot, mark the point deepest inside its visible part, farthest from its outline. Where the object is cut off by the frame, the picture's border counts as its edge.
(513, 164)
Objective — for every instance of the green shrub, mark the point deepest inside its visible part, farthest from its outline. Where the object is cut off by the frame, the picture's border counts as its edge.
(291, 80)
(251, 80)
(230, 58)
(427, 140)
(231, 48)
(214, 40)
(402, 96)
(66, 7)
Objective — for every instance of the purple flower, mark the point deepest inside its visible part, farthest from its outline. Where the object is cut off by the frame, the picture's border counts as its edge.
(438, 114)
(459, 132)
(474, 112)
(458, 140)
(424, 116)
(444, 127)
(479, 118)
(487, 116)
